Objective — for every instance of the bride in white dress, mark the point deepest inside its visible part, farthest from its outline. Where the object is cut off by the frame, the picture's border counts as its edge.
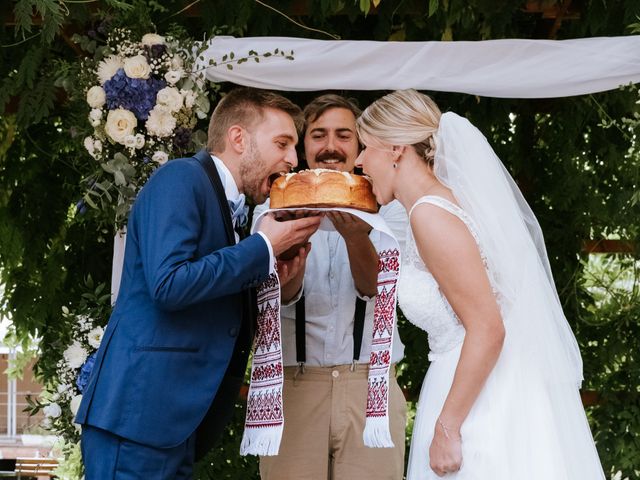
(501, 397)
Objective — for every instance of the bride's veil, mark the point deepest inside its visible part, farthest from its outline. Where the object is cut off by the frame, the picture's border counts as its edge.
(512, 242)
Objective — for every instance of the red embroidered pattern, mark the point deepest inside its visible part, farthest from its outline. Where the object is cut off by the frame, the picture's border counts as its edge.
(264, 403)
(383, 326)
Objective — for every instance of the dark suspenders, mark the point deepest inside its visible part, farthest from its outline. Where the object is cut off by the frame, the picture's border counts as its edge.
(358, 329)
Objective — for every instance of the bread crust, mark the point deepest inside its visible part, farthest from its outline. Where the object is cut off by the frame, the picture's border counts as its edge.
(323, 188)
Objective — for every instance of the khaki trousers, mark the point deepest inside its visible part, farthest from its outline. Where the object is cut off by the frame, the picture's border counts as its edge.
(324, 416)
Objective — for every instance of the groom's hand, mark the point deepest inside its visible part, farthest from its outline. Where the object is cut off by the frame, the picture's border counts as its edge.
(284, 235)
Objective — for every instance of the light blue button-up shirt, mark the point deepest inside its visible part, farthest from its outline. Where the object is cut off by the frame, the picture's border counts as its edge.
(330, 299)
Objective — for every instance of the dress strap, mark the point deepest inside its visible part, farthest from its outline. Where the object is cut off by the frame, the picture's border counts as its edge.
(442, 203)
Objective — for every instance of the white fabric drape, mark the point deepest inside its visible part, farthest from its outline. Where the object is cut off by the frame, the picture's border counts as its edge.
(513, 68)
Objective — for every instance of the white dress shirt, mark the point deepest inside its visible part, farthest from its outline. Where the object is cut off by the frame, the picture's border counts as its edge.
(232, 193)
(330, 299)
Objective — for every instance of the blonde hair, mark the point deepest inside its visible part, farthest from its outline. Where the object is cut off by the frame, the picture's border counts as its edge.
(245, 107)
(403, 117)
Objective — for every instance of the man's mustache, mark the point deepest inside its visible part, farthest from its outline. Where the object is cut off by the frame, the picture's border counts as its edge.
(321, 157)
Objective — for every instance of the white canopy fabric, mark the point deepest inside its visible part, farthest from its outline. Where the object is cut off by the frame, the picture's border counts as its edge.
(493, 68)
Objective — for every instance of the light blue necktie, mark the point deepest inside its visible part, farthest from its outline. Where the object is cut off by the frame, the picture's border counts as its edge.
(239, 211)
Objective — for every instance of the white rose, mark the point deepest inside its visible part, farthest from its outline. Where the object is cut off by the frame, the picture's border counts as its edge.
(96, 97)
(120, 123)
(189, 98)
(130, 141)
(170, 97)
(75, 404)
(52, 410)
(160, 122)
(63, 387)
(95, 336)
(151, 39)
(160, 157)
(97, 145)
(172, 76)
(137, 67)
(108, 68)
(139, 140)
(75, 355)
(95, 114)
(89, 145)
(176, 62)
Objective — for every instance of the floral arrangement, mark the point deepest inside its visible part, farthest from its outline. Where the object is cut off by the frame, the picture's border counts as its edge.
(62, 393)
(145, 100)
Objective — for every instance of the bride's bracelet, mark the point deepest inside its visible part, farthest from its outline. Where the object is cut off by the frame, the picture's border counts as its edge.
(445, 429)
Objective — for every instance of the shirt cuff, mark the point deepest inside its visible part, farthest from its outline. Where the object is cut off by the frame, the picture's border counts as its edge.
(296, 298)
(272, 259)
(362, 297)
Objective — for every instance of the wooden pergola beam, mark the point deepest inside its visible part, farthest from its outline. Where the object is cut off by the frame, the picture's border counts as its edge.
(608, 246)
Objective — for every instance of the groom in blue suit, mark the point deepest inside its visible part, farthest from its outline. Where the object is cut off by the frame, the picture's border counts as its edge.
(175, 349)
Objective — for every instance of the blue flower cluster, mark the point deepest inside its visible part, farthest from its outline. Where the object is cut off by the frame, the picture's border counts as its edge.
(85, 372)
(135, 94)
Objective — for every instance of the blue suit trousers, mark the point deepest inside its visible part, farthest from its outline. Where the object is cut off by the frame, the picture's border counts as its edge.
(116, 458)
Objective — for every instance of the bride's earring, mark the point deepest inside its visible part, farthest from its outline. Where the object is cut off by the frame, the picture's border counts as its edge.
(395, 165)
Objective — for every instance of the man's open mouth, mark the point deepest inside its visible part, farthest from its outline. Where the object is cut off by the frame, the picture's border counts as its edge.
(273, 177)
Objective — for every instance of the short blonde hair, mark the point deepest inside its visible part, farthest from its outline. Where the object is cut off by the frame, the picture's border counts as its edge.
(403, 117)
(245, 107)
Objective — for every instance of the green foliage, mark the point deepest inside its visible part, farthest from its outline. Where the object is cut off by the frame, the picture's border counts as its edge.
(576, 160)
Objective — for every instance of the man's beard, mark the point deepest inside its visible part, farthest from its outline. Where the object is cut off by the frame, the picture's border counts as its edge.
(252, 169)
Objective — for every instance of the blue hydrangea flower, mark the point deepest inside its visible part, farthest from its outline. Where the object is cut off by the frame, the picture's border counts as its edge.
(137, 95)
(85, 372)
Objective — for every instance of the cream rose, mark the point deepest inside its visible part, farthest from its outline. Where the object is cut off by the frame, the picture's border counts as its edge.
(137, 67)
(160, 157)
(160, 122)
(189, 98)
(95, 117)
(108, 68)
(139, 141)
(89, 145)
(120, 123)
(95, 114)
(96, 96)
(130, 141)
(52, 410)
(171, 98)
(177, 63)
(151, 39)
(173, 76)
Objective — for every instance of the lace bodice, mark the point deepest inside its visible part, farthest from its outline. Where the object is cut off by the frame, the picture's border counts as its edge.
(419, 295)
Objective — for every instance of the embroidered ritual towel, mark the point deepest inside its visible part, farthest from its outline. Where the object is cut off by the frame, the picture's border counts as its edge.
(264, 421)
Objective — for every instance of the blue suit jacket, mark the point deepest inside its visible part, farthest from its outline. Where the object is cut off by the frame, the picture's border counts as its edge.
(178, 314)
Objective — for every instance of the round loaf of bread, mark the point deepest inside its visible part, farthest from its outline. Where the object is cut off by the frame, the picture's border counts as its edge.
(323, 188)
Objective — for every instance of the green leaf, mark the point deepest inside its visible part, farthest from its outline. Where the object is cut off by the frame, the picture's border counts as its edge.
(22, 12)
(52, 18)
(119, 177)
(365, 6)
(433, 7)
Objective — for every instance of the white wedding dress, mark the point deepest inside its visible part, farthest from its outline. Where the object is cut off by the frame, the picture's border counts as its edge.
(522, 426)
